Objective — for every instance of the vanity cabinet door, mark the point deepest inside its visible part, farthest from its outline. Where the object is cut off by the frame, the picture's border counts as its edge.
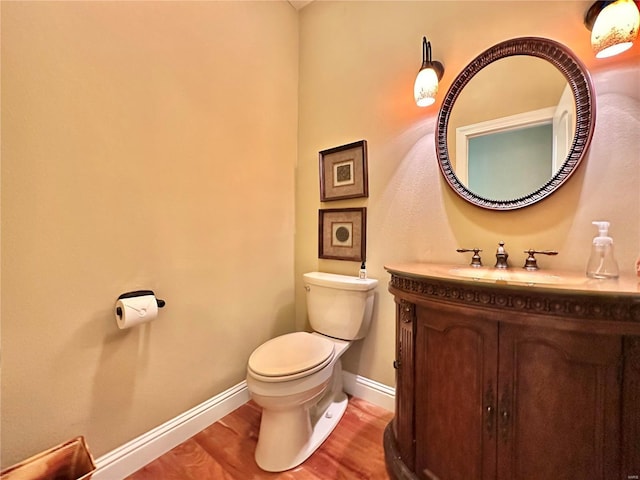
(455, 394)
(403, 419)
(559, 404)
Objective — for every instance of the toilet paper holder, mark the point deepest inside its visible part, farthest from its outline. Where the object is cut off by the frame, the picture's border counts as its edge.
(138, 293)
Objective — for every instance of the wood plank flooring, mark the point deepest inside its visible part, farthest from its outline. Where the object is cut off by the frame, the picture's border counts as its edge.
(224, 451)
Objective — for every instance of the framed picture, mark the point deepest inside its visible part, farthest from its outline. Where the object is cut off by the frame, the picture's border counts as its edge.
(342, 234)
(343, 172)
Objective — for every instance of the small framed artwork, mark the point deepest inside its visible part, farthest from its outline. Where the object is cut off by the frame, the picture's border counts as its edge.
(343, 172)
(342, 234)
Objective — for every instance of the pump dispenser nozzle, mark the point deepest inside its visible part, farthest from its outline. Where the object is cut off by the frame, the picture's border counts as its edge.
(603, 228)
(602, 264)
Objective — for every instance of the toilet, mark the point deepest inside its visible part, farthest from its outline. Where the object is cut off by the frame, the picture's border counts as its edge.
(297, 378)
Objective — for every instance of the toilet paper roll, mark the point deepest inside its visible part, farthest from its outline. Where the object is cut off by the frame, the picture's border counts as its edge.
(133, 311)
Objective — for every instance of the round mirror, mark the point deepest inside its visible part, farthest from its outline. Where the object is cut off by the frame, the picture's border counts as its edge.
(515, 123)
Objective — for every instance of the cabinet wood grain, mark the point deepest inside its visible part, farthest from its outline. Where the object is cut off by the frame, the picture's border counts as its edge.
(503, 383)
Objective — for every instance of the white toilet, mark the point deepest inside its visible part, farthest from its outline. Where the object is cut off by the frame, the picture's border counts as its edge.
(297, 378)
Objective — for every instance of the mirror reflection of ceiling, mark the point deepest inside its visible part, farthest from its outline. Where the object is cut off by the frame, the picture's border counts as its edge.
(508, 86)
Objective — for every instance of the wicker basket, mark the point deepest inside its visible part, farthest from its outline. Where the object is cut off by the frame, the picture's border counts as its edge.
(68, 461)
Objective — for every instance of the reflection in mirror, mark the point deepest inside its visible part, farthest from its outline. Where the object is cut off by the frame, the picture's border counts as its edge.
(510, 127)
(507, 126)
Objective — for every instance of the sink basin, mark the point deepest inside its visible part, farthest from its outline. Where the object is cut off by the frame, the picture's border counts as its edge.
(514, 276)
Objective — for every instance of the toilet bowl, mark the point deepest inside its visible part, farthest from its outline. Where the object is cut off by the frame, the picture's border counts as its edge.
(292, 425)
(297, 378)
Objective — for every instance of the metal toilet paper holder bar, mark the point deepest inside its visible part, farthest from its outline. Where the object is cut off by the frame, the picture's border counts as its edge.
(138, 293)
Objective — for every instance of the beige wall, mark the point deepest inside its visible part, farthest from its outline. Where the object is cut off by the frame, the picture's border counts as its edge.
(358, 62)
(153, 145)
(144, 145)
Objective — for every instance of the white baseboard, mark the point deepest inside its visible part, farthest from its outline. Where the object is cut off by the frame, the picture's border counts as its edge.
(370, 390)
(132, 456)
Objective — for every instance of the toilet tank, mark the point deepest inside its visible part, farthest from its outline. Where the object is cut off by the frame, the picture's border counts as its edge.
(338, 305)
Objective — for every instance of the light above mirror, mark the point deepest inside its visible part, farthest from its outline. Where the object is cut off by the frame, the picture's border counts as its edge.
(425, 87)
(532, 98)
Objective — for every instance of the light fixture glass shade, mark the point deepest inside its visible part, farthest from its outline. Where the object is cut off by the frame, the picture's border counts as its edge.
(615, 28)
(426, 87)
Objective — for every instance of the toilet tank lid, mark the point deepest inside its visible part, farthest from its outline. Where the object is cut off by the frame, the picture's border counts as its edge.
(344, 282)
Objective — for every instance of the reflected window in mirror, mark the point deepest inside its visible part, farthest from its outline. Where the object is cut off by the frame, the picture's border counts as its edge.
(508, 164)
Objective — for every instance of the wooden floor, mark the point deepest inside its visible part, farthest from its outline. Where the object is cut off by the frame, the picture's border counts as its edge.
(224, 451)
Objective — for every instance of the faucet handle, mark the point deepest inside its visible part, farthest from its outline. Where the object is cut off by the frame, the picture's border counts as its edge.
(476, 261)
(531, 263)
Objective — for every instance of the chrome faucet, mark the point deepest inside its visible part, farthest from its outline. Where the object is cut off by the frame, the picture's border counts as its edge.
(501, 256)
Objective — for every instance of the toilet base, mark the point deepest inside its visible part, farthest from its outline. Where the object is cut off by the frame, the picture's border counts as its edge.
(288, 438)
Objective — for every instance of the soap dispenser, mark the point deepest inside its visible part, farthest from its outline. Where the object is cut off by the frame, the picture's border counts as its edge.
(363, 271)
(602, 264)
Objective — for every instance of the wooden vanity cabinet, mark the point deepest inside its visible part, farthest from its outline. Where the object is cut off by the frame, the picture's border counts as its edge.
(489, 389)
(496, 400)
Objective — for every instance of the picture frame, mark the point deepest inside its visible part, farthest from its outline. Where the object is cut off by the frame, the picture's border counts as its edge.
(343, 172)
(342, 234)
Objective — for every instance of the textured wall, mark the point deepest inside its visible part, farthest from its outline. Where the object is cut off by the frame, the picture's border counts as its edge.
(358, 62)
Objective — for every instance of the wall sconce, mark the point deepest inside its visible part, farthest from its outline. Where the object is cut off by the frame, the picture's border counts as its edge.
(426, 86)
(614, 26)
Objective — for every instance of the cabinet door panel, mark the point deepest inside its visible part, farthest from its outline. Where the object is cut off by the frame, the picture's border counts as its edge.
(559, 404)
(456, 373)
(403, 420)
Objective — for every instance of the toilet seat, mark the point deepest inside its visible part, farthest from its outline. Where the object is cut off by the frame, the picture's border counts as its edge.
(291, 356)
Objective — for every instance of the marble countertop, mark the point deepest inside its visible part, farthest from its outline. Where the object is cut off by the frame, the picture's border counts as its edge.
(543, 279)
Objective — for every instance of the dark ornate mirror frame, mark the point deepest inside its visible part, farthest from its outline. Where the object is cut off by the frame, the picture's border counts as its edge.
(580, 83)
